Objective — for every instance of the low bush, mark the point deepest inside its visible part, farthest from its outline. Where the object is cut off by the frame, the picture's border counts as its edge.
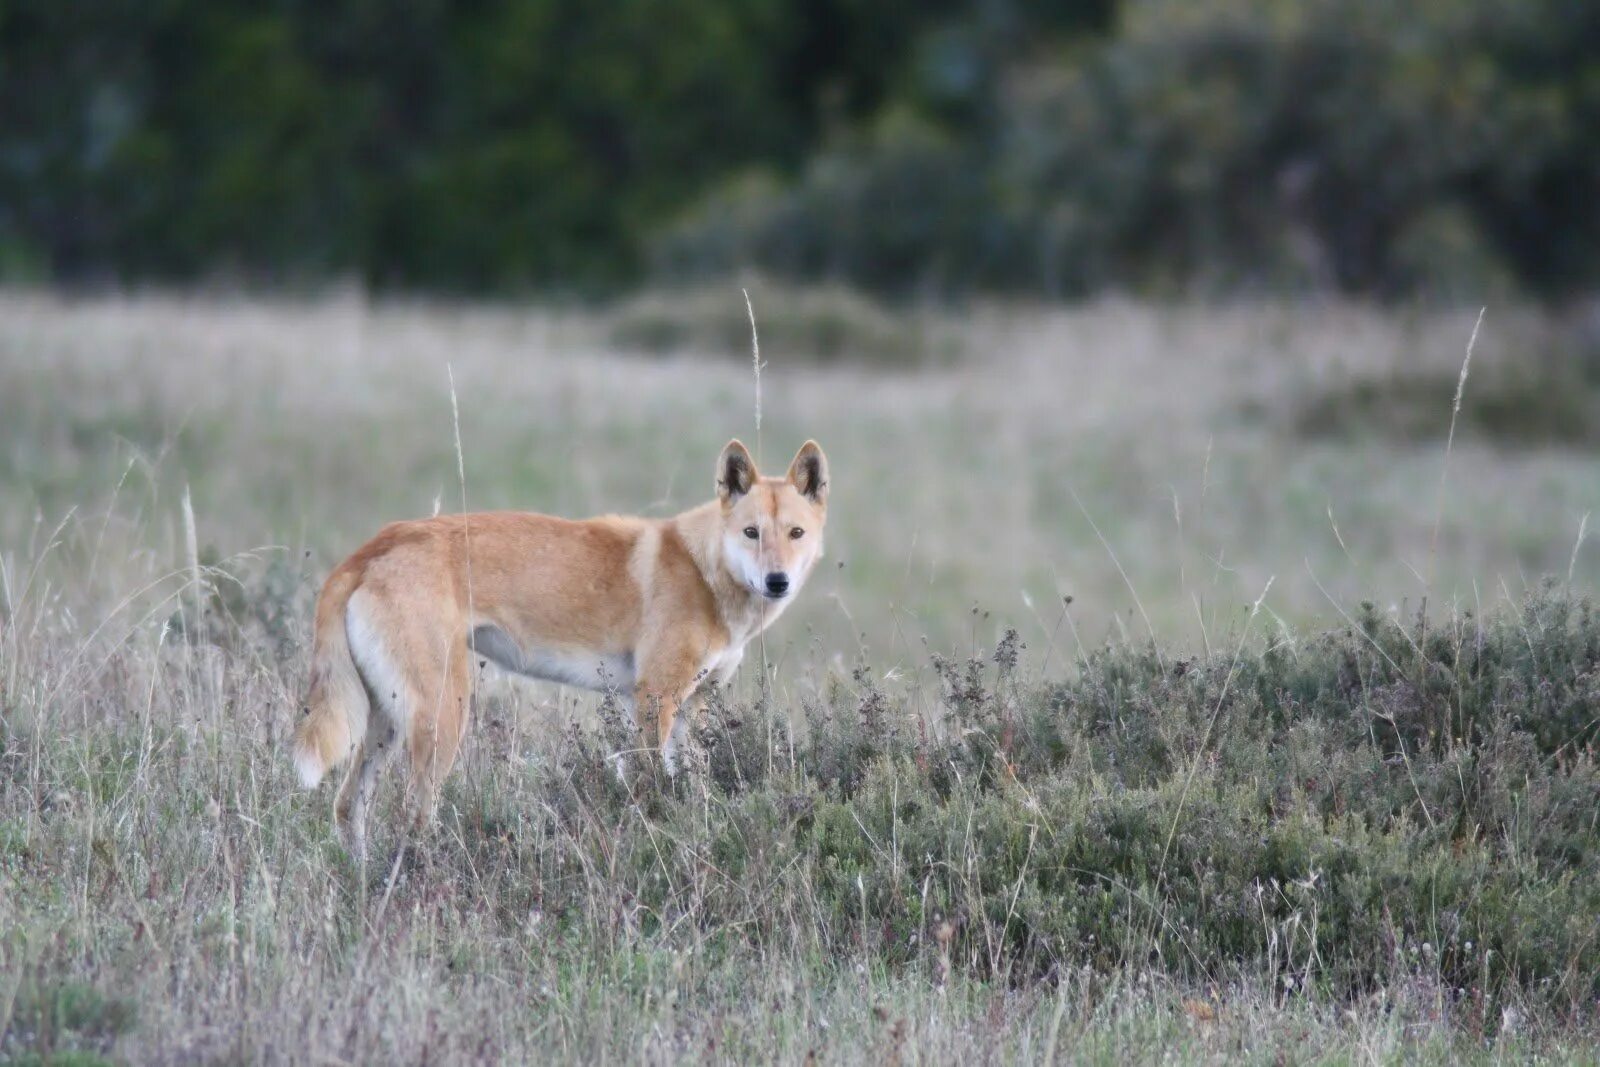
(1383, 802)
(63, 1023)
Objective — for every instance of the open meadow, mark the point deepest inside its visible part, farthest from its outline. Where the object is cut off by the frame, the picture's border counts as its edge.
(1169, 692)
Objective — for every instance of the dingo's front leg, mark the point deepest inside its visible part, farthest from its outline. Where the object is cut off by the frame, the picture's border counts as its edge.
(668, 676)
(694, 712)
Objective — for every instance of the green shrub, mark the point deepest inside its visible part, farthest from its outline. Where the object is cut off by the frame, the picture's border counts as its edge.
(64, 1023)
(1388, 803)
(1262, 144)
(900, 208)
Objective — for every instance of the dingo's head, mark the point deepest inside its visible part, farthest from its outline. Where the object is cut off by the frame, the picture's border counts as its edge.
(772, 527)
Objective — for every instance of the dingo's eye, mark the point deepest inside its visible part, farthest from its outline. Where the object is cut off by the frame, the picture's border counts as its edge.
(796, 533)
(751, 532)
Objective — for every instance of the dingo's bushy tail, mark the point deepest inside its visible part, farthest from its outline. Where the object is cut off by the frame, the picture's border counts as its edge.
(334, 718)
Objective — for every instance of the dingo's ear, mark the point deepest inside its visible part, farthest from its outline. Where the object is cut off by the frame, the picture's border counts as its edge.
(736, 472)
(809, 473)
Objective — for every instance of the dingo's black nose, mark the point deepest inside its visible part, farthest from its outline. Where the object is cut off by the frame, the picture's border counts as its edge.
(777, 583)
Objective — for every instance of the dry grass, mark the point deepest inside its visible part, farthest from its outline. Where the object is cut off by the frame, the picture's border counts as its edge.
(308, 425)
(167, 896)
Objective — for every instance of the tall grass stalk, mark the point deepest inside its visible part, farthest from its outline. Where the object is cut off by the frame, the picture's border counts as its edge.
(1449, 444)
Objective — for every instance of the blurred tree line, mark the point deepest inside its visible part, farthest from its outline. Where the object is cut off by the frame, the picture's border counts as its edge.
(932, 147)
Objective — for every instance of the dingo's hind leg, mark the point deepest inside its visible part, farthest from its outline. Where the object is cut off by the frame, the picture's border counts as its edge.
(438, 722)
(355, 795)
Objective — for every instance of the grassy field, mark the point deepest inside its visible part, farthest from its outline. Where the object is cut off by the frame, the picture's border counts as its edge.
(967, 820)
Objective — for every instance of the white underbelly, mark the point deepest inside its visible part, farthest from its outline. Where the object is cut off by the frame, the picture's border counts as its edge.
(597, 671)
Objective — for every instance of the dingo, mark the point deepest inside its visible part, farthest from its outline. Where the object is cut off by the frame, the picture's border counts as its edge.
(648, 607)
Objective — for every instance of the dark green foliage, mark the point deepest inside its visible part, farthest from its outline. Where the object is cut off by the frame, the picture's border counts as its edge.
(935, 149)
(65, 1023)
(1302, 141)
(417, 143)
(901, 208)
(1229, 145)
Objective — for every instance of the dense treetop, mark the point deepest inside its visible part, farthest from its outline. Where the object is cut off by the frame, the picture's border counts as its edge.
(933, 148)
